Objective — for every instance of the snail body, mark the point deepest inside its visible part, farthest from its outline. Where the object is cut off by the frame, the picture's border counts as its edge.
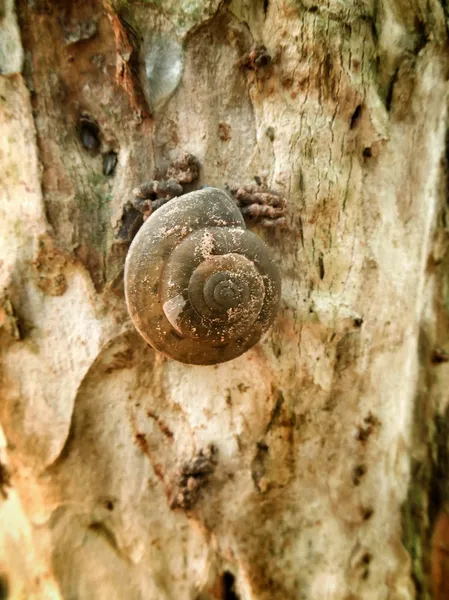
(200, 287)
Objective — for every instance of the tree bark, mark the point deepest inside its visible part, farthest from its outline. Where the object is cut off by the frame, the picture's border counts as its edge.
(328, 441)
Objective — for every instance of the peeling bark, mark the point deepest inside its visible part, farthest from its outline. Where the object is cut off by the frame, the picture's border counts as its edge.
(314, 466)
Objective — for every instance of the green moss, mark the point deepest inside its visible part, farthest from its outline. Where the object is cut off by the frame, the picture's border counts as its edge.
(416, 533)
(119, 5)
(446, 292)
(18, 229)
(95, 211)
(11, 173)
(428, 493)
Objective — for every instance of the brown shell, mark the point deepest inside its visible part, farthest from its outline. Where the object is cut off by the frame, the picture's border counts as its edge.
(200, 287)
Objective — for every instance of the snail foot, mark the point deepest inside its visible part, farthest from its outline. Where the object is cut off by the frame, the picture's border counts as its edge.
(257, 58)
(192, 477)
(153, 194)
(185, 170)
(260, 205)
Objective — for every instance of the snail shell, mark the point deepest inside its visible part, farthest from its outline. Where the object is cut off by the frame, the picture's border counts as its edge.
(200, 287)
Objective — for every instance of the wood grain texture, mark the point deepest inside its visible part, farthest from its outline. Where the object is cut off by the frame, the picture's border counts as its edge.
(313, 467)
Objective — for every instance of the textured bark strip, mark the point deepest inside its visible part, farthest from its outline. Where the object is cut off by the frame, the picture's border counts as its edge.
(314, 466)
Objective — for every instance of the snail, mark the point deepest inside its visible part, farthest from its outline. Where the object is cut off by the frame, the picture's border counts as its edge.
(200, 287)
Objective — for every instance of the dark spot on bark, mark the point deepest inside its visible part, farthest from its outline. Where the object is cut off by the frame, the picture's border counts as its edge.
(347, 351)
(104, 533)
(10, 322)
(301, 231)
(367, 513)
(269, 132)
(389, 94)
(358, 322)
(321, 266)
(439, 355)
(4, 587)
(363, 434)
(370, 424)
(358, 473)
(224, 132)
(422, 36)
(109, 505)
(366, 558)
(327, 69)
(275, 413)
(89, 133)
(447, 166)
(266, 4)
(229, 592)
(258, 464)
(367, 152)
(5, 480)
(109, 163)
(355, 118)
(263, 61)
(141, 441)
(161, 424)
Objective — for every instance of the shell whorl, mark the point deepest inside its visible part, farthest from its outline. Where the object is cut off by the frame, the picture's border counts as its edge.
(199, 286)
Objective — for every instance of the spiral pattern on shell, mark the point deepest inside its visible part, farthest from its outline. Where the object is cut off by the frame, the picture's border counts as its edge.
(200, 287)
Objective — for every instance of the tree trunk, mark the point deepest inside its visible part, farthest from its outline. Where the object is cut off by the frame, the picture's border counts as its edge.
(327, 442)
